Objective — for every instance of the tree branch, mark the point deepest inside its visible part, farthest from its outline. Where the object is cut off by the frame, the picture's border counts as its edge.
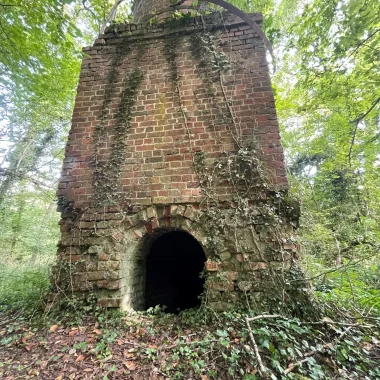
(86, 8)
(343, 267)
(355, 243)
(356, 122)
(263, 370)
(111, 16)
(169, 9)
(361, 117)
(237, 12)
(264, 316)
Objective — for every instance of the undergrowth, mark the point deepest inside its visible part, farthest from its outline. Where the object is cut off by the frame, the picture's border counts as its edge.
(355, 288)
(23, 286)
(199, 343)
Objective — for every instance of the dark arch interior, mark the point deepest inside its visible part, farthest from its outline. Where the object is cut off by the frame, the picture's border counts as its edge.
(173, 269)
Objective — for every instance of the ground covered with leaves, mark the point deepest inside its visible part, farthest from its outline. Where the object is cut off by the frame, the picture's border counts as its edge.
(192, 345)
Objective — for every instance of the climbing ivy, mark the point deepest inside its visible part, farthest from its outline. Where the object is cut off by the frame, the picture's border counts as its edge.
(107, 172)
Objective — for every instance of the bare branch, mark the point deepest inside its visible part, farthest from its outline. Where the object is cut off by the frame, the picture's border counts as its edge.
(292, 367)
(361, 117)
(111, 16)
(355, 243)
(264, 316)
(263, 370)
(86, 8)
(356, 122)
(327, 321)
(231, 8)
(343, 267)
(237, 12)
(169, 9)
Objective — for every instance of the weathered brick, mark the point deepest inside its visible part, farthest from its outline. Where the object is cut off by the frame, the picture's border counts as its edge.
(109, 302)
(223, 286)
(212, 266)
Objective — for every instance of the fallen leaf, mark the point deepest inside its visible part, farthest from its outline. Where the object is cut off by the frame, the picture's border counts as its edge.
(97, 332)
(129, 355)
(205, 377)
(131, 366)
(43, 364)
(79, 358)
(141, 332)
(88, 370)
(33, 372)
(26, 337)
(53, 328)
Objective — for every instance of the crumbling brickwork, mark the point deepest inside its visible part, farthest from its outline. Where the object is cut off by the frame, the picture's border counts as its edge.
(174, 127)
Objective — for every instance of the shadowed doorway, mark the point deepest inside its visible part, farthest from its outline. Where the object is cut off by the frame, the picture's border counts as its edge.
(173, 269)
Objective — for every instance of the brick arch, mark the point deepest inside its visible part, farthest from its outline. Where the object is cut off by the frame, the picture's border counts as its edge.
(138, 234)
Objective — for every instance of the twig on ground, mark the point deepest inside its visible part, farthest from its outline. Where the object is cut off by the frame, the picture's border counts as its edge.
(265, 316)
(6, 322)
(263, 370)
(326, 322)
(293, 366)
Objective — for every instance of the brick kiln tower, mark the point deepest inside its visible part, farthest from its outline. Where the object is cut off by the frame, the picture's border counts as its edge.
(174, 168)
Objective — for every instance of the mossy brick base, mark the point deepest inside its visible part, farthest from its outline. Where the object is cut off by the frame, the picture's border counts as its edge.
(158, 107)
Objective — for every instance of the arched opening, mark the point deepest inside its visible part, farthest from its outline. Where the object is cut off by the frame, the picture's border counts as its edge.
(173, 268)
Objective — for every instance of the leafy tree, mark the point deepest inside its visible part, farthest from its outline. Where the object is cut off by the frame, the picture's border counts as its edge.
(40, 57)
(328, 101)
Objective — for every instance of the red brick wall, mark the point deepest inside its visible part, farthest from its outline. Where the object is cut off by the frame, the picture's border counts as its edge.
(157, 162)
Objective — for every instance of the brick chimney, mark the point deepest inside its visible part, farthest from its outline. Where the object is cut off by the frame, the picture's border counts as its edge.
(174, 166)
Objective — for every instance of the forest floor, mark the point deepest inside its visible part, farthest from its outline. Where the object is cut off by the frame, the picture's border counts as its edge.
(83, 351)
(188, 346)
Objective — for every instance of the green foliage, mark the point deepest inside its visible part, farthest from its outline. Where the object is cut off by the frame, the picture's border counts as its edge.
(328, 102)
(355, 287)
(39, 65)
(222, 344)
(22, 286)
(28, 227)
(39, 68)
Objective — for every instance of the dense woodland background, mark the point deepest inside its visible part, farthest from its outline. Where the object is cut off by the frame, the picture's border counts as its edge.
(327, 86)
